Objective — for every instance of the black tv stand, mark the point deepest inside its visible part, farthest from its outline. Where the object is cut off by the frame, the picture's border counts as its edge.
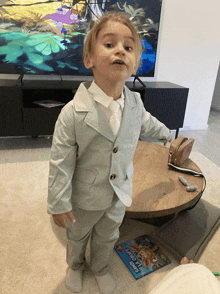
(19, 116)
(137, 78)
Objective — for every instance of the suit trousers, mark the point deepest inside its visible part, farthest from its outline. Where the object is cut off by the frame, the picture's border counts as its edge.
(103, 227)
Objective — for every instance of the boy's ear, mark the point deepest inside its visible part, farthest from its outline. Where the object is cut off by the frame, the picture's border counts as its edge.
(135, 70)
(88, 62)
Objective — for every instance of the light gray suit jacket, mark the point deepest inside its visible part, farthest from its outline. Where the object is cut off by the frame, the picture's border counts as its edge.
(87, 162)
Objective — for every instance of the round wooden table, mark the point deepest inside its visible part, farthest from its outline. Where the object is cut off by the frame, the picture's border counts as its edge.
(157, 191)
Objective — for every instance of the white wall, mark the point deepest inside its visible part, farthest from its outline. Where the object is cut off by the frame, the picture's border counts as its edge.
(189, 54)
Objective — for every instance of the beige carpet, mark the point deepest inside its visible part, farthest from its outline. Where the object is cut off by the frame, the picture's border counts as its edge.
(33, 248)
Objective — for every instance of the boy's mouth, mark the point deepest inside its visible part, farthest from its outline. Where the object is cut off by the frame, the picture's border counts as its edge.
(118, 63)
(121, 62)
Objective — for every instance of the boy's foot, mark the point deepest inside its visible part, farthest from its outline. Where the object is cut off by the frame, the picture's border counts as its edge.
(185, 260)
(106, 283)
(74, 280)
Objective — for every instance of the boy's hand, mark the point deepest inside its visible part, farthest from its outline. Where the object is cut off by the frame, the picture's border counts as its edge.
(60, 219)
(166, 142)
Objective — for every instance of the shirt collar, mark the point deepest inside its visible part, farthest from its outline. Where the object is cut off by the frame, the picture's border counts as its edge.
(102, 98)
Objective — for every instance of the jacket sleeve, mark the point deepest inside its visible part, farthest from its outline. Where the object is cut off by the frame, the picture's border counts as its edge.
(152, 128)
(62, 162)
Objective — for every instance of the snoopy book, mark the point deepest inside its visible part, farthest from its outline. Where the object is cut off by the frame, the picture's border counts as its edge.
(142, 256)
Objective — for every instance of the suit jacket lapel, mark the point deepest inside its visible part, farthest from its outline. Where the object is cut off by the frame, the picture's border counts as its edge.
(84, 102)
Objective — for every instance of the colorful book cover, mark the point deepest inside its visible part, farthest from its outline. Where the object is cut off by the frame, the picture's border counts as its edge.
(142, 256)
(49, 103)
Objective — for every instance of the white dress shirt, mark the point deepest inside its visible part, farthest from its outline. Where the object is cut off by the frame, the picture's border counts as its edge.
(105, 104)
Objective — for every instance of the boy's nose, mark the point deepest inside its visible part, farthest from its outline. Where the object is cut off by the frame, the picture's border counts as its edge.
(120, 48)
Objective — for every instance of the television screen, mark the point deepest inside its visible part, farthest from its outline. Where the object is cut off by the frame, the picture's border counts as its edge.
(47, 37)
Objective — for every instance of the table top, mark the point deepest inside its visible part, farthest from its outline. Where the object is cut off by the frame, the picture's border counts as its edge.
(157, 190)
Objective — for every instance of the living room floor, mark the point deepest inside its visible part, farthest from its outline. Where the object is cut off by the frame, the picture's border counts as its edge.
(26, 149)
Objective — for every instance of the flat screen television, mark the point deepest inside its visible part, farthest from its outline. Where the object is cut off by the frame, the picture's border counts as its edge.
(46, 37)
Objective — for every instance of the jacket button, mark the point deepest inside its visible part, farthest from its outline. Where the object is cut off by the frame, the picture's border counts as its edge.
(115, 150)
(112, 177)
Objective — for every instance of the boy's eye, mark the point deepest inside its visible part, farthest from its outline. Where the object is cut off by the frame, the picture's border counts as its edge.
(108, 44)
(125, 47)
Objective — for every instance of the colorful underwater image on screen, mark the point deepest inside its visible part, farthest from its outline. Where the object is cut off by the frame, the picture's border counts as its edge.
(47, 37)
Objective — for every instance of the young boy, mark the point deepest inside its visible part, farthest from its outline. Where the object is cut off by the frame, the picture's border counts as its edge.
(91, 169)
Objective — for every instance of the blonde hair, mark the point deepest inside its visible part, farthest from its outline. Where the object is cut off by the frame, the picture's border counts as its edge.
(94, 28)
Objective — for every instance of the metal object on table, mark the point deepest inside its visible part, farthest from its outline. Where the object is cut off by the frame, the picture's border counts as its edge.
(189, 188)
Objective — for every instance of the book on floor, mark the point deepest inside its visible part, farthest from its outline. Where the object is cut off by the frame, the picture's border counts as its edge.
(142, 256)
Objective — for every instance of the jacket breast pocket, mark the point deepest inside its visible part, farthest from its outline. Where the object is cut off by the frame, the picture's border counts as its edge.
(85, 176)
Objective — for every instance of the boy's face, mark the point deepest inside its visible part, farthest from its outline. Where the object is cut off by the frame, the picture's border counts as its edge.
(109, 48)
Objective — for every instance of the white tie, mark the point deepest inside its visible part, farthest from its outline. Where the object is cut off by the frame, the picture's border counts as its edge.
(114, 119)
